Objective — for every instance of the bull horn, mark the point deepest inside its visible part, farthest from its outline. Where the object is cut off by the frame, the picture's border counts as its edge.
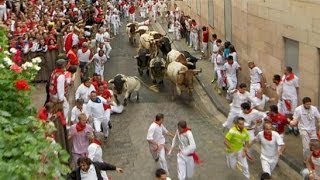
(148, 54)
(181, 72)
(190, 63)
(197, 71)
(188, 59)
(136, 56)
(111, 81)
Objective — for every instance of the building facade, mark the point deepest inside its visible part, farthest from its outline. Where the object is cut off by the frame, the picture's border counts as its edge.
(272, 33)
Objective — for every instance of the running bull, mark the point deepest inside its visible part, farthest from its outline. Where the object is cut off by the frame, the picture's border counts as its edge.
(157, 68)
(143, 60)
(124, 86)
(181, 77)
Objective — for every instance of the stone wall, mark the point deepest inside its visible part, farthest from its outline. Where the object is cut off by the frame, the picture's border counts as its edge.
(258, 31)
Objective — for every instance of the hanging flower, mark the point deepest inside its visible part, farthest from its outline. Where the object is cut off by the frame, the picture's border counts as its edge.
(2, 66)
(36, 67)
(16, 68)
(8, 61)
(22, 85)
(36, 60)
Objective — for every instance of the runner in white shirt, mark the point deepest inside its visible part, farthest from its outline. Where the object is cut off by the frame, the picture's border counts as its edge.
(100, 60)
(78, 109)
(305, 116)
(84, 90)
(186, 157)
(115, 23)
(143, 9)
(218, 67)
(231, 69)
(252, 119)
(156, 140)
(107, 39)
(96, 112)
(240, 96)
(290, 89)
(272, 146)
(154, 11)
(257, 78)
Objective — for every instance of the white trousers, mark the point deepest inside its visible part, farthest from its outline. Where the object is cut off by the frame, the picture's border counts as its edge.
(185, 166)
(143, 14)
(234, 112)
(194, 40)
(3, 13)
(116, 109)
(108, 49)
(99, 70)
(103, 121)
(177, 33)
(232, 84)
(254, 87)
(305, 137)
(268, 163)
(204, 47)
(133, 17)
(220, 79)
(236, 157)
(154, 15)
(115, 27)
(283, 108)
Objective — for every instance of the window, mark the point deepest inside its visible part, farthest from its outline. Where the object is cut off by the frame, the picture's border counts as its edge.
(189, 3)
(210, 13)
(198, 7)
(291, 57)
(228, 19)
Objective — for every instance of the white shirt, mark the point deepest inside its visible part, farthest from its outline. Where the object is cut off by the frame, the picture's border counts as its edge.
(289, 90)
(75, 112)
(252, 117)
(231, 70)
(261, 103)
(239, 98)
(99, 37)
(99, 60)
(155, 133)
(255, 74)
(219, 62)
(83, 92)
(96, 110)
(186, 142)
(90, 175)
(83, 56)
(106, 36)
(60, 87)
(306, 117)
(269, 149)
(95, 152)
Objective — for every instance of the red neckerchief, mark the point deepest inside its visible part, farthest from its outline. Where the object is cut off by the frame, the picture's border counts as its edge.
(249, 111)
(289, 77)
(185, 130)
(80, 127)
(96, 141)
(267, 135)
(316, 153)
(59, 70)
(84, 50)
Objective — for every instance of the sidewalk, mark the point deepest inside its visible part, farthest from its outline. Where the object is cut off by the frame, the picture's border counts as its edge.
(293, 154)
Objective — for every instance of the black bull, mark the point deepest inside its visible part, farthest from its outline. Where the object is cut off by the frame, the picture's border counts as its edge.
(143, 60)
(164, 45)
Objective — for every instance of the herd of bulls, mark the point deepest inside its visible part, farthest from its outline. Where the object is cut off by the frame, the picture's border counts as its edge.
(157, 59)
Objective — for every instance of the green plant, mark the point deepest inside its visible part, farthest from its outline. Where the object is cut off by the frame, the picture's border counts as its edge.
(25, 151)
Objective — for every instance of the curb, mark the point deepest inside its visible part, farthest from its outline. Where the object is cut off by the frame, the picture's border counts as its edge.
(290, 161)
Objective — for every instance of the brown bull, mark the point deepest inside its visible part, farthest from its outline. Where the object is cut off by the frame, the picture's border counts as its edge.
(181, 77)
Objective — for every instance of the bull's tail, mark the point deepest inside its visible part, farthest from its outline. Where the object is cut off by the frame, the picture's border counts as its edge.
(153, 88)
